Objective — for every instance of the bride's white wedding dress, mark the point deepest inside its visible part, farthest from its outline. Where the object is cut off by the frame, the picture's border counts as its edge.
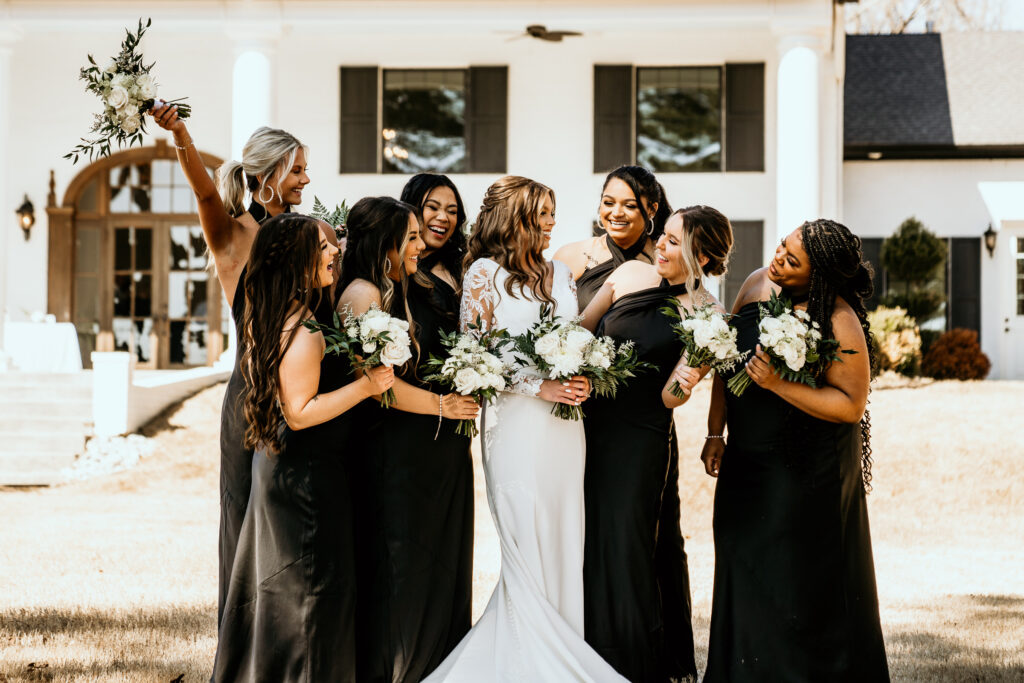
(532, 628)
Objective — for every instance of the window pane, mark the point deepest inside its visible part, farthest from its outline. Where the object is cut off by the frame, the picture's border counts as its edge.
(122, 334)
(140, 200)
(143, 248)
(143, 294)
(177, 294)
(424, 121)
(143, 346)
(197, 342)
(179, 247)
(197, 295)
(679, 119)
(122, 295)
(183, 200)
(178, 341)
(123, 249)
(88, 200)
(161, 200)
(87, 250)
(197, 254)
(162, 172)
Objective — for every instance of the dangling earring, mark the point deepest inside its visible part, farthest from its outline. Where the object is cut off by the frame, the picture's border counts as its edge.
(259, 195)
(650, 230)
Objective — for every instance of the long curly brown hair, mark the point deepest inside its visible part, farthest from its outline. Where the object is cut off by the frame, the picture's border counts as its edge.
(280, 278)
(838, 269)
(508, 232)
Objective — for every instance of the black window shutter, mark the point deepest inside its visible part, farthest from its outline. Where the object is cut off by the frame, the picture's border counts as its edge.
(613, 116)
(487, 119)
(359, 126)
(744, 117)
(748, 247)
(965, 283)
(871, 249)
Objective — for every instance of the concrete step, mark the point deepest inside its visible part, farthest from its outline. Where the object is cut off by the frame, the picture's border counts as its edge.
(35, 469)
(76, 409)
(45, 392)
(69, 440)
(59, 379)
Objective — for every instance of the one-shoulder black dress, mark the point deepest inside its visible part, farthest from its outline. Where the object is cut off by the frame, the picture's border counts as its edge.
(794, 596)
(290, 608)
(628, 463)
(419, 513)
(235, 458)
(670, 553)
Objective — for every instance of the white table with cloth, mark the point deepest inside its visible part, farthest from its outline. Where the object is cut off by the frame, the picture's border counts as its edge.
(42, 347)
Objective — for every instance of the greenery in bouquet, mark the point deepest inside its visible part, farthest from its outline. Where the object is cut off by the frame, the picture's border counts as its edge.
(796, 350)
(127, 90)
(336, 218)
(368, 340)
(708, 339)
(473, 367)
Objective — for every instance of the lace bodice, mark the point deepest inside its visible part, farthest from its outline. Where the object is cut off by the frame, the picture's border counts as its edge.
(484, 296)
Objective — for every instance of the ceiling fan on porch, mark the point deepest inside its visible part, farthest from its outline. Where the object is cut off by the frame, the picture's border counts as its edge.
(541, 32)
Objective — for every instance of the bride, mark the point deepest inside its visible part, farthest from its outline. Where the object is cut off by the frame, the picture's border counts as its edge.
(532, 628)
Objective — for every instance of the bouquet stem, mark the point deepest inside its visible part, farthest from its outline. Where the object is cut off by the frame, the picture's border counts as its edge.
(567, 412)
(467, 428)
(387, 399)
(677, 391)
(739, 382)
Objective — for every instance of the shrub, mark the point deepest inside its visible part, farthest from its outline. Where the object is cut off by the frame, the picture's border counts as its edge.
(897, 341)
(956, 355)
(913, 258)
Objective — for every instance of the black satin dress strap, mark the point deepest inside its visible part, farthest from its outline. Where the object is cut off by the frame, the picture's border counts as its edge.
(593, 278)
(416, 605)
(794, 591)
(626, 483)
(259, 212)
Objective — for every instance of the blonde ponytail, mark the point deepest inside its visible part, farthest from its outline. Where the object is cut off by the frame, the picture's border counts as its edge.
(269, 153)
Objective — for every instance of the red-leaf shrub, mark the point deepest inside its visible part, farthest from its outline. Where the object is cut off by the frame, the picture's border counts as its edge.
(956, 355)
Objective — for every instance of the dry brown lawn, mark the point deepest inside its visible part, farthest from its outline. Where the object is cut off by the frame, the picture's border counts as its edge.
(114, 579)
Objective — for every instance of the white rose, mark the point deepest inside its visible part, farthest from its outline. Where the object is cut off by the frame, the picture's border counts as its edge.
(546, 345)
(118, 97)
(130, 124)
(146, 86)
(794, 359)
(373, 323)
(577, 339)
(121, 80)
(111, 68)
(395, 353)
(466, 381)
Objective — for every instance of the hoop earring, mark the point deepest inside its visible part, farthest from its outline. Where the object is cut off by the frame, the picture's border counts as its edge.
(387, 265)
(259, 195)
(650, 230)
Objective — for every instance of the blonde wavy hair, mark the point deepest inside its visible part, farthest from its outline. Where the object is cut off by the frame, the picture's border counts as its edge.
(508, 231)
(269, 152)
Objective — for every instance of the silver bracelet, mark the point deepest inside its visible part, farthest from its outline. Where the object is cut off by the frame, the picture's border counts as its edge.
(183, 147)
(440, 400)
(714, 436)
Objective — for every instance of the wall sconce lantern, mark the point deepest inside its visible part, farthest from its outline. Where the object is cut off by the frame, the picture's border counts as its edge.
(990, 240)
(26, 216)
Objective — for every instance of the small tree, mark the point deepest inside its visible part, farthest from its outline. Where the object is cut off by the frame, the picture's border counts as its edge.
(914, 258)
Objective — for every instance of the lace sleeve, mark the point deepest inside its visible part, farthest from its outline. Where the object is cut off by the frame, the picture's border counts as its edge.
(477, 297)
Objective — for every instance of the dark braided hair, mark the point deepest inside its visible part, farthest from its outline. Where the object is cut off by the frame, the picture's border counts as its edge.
(838, 269)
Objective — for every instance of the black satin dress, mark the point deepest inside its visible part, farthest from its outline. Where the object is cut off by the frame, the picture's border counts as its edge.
(235, 458)
(794, 596)
(628, 462)
(670, 553)
(420, 510)
(290, 608)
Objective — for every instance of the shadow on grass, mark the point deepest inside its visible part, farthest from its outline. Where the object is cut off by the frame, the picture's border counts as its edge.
(161, 644)
(971, 638)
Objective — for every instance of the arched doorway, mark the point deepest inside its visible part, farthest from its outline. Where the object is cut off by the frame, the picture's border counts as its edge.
(127, 262)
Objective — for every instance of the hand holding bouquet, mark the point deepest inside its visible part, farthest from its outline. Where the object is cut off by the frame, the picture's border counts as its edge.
(708, 339)
(473, 367)
(793, 344)
(369, 340)
(562, 349)
(128, 91)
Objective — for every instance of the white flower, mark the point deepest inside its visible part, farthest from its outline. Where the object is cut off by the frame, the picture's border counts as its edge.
(369, 347)
(118, 97)
(373, 323)
(146, 86)
(396, 352)
(131, 123)
(467, 381)
(111, 68)
(546, 345)
(122, 80)
(577, 339)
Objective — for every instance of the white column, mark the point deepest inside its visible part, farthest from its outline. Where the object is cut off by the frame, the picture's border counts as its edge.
(251, 102)
(798, 155)
(111, 389)
(9, 228)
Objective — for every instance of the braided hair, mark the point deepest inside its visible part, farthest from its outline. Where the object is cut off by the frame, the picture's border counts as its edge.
(838, 269)
(282, 270)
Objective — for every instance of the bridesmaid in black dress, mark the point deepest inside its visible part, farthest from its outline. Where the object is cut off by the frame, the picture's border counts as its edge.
(273, 170)
(632, 212)
(416, 484)
(629, 445)
(290, 609)
(795, 596)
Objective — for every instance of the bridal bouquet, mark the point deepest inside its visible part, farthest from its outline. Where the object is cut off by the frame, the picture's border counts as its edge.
(560, 349)
(128, 91)
(336, 219)
(707, 338)
(473, 367)
(793, 343)
(369, 340)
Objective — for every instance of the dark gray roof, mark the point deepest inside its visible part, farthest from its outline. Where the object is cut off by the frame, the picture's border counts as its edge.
(896, 92)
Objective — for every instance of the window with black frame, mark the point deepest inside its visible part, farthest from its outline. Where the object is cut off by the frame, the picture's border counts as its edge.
(679, 118)
(423, 121)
